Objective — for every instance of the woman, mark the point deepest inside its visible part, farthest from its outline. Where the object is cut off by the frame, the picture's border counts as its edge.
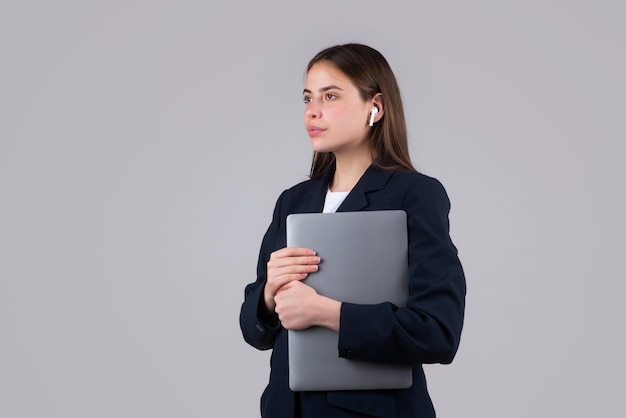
(355, 120)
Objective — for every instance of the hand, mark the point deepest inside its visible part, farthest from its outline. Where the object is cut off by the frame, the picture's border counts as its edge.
(296, 305)
(299, 306)
(285, 266)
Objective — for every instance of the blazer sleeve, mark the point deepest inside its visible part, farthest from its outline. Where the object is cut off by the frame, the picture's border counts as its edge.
(428, 329)
(258, 326)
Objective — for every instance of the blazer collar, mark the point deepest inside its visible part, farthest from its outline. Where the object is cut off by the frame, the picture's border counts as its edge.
(373, 179)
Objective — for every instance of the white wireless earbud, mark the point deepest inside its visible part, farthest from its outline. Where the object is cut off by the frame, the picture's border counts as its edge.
(373, 114)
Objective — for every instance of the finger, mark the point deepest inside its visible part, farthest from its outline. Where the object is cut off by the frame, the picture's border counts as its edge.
(293, 261)
(292, 269)
(292, 284)
(281, 281)
(277, 277)
(291, 252)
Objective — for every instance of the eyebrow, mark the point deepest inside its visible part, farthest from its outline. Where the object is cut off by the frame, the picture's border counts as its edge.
(323, 89)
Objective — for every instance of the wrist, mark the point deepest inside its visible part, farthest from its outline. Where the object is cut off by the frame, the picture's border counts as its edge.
(268, 301)
(329, 312)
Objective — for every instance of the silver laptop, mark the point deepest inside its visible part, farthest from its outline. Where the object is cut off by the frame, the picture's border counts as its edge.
(364, 260)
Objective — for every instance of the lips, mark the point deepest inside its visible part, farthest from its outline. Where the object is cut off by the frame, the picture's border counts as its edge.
(314, 130)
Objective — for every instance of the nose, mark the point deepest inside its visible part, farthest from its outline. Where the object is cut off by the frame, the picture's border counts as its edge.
(312, 111)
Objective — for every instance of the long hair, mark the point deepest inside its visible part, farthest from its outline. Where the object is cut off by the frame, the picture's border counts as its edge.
(371, 74)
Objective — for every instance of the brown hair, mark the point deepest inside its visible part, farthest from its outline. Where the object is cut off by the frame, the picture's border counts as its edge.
(371, 74)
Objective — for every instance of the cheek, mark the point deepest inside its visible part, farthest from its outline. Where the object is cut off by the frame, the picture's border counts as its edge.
(351, 121)
(344, 118)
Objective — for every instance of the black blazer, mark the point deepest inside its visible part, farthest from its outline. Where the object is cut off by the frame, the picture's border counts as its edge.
(428, 330)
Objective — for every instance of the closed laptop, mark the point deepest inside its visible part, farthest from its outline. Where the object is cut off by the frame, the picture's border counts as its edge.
(364, 260)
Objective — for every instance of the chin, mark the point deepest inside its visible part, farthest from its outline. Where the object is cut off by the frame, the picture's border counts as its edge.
(319, 147)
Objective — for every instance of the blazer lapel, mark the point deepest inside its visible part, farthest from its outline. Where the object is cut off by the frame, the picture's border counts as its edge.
(317, 193)
(373, 179)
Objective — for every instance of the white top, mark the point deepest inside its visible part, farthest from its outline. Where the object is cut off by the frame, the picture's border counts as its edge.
(333, 201)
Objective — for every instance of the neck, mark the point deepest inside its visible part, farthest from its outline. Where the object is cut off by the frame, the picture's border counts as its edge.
(348, 171)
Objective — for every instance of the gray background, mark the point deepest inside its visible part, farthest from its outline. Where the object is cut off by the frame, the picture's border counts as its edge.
(143, 145)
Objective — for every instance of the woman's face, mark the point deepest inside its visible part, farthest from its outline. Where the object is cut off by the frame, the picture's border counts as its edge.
(335, 117)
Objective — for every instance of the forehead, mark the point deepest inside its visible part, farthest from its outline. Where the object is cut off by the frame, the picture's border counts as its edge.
(323, 74)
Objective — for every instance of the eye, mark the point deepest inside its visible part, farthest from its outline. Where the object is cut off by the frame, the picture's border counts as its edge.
(330, 96)
(306, 99)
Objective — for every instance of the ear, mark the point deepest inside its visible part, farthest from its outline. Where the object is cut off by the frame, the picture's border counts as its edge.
(378, 101)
